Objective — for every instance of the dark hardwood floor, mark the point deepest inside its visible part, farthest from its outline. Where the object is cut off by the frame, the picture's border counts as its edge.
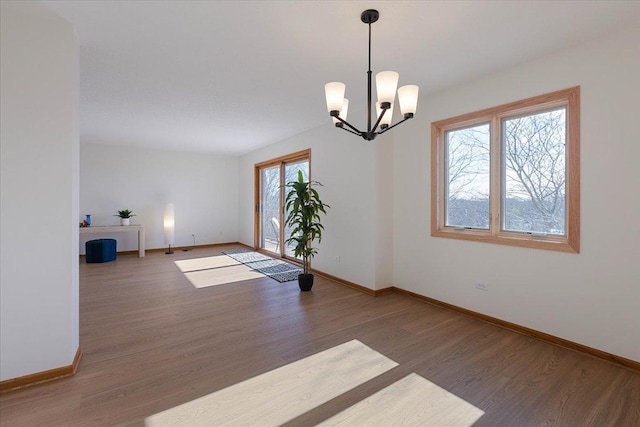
(152, 341)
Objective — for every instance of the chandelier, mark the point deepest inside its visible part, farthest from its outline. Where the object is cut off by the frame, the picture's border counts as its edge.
(386, 84)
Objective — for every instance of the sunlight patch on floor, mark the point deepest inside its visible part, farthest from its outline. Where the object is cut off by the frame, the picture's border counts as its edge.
(411, 401)
(221, 276)
(205, 263)
(278, 396)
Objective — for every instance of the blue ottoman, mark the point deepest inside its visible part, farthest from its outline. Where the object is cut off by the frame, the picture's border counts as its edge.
(100, 250)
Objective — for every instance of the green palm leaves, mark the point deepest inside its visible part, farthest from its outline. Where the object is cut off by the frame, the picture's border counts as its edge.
(303, 206)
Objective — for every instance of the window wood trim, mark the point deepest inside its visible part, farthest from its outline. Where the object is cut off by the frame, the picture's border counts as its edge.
(570, 98)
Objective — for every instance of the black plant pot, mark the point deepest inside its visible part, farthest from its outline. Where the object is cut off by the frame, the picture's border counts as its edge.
(305, 281)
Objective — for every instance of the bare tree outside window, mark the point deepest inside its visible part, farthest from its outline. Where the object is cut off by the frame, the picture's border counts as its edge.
(535, 172)
(269, 204)
(468, 184)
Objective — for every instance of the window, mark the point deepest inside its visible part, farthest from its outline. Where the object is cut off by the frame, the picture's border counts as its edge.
(510, 174)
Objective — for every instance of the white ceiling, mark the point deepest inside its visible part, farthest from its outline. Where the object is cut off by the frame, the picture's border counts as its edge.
(228, 77)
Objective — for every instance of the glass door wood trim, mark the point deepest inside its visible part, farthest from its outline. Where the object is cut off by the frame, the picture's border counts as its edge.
(299, 156)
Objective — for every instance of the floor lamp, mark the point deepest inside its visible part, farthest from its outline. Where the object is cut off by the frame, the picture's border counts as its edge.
(169, 225)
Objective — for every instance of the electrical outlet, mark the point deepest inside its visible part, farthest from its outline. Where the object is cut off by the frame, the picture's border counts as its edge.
(482, 286)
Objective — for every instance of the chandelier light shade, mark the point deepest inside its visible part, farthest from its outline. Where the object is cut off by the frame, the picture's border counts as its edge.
(169, 222)
(408, 98)
(386, 85)
(334, 92)
(343, 112)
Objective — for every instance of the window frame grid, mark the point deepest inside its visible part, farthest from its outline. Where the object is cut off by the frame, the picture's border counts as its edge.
(570, 242)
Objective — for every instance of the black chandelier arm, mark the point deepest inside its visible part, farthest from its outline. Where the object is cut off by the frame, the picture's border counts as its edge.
(349, 130)
(384, 110)
(345, 122)
(406, 117)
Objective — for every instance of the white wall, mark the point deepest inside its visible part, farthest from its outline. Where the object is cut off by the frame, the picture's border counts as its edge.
(591, 298)
(203, 188)
(384, 209)
(39, 186)
(347, 167)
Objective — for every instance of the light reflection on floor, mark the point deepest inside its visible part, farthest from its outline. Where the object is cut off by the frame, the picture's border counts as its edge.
(204, 263)
(411, 401)
(285, 393)
(215, 270)
(222, 276)
(278, 396)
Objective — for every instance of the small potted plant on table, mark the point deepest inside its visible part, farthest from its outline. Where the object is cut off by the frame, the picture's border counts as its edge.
(302, 207)
(125, 216)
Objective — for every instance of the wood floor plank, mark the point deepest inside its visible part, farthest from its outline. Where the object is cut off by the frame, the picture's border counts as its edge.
(151, 342)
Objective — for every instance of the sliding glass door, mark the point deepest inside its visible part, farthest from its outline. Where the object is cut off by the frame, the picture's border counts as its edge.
(271, 176)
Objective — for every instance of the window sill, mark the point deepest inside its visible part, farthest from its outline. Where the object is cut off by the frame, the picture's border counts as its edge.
(551, 243)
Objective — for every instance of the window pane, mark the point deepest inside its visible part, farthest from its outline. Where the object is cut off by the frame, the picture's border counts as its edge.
(291, 170)
(291, 174)
(270, 207)
(467, 177)
(534, 178)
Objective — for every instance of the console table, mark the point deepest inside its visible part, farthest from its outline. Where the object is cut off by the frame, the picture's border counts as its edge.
(119, 229)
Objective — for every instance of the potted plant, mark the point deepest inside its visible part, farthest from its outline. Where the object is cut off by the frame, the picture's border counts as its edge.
(302, 206)
(125, 216)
